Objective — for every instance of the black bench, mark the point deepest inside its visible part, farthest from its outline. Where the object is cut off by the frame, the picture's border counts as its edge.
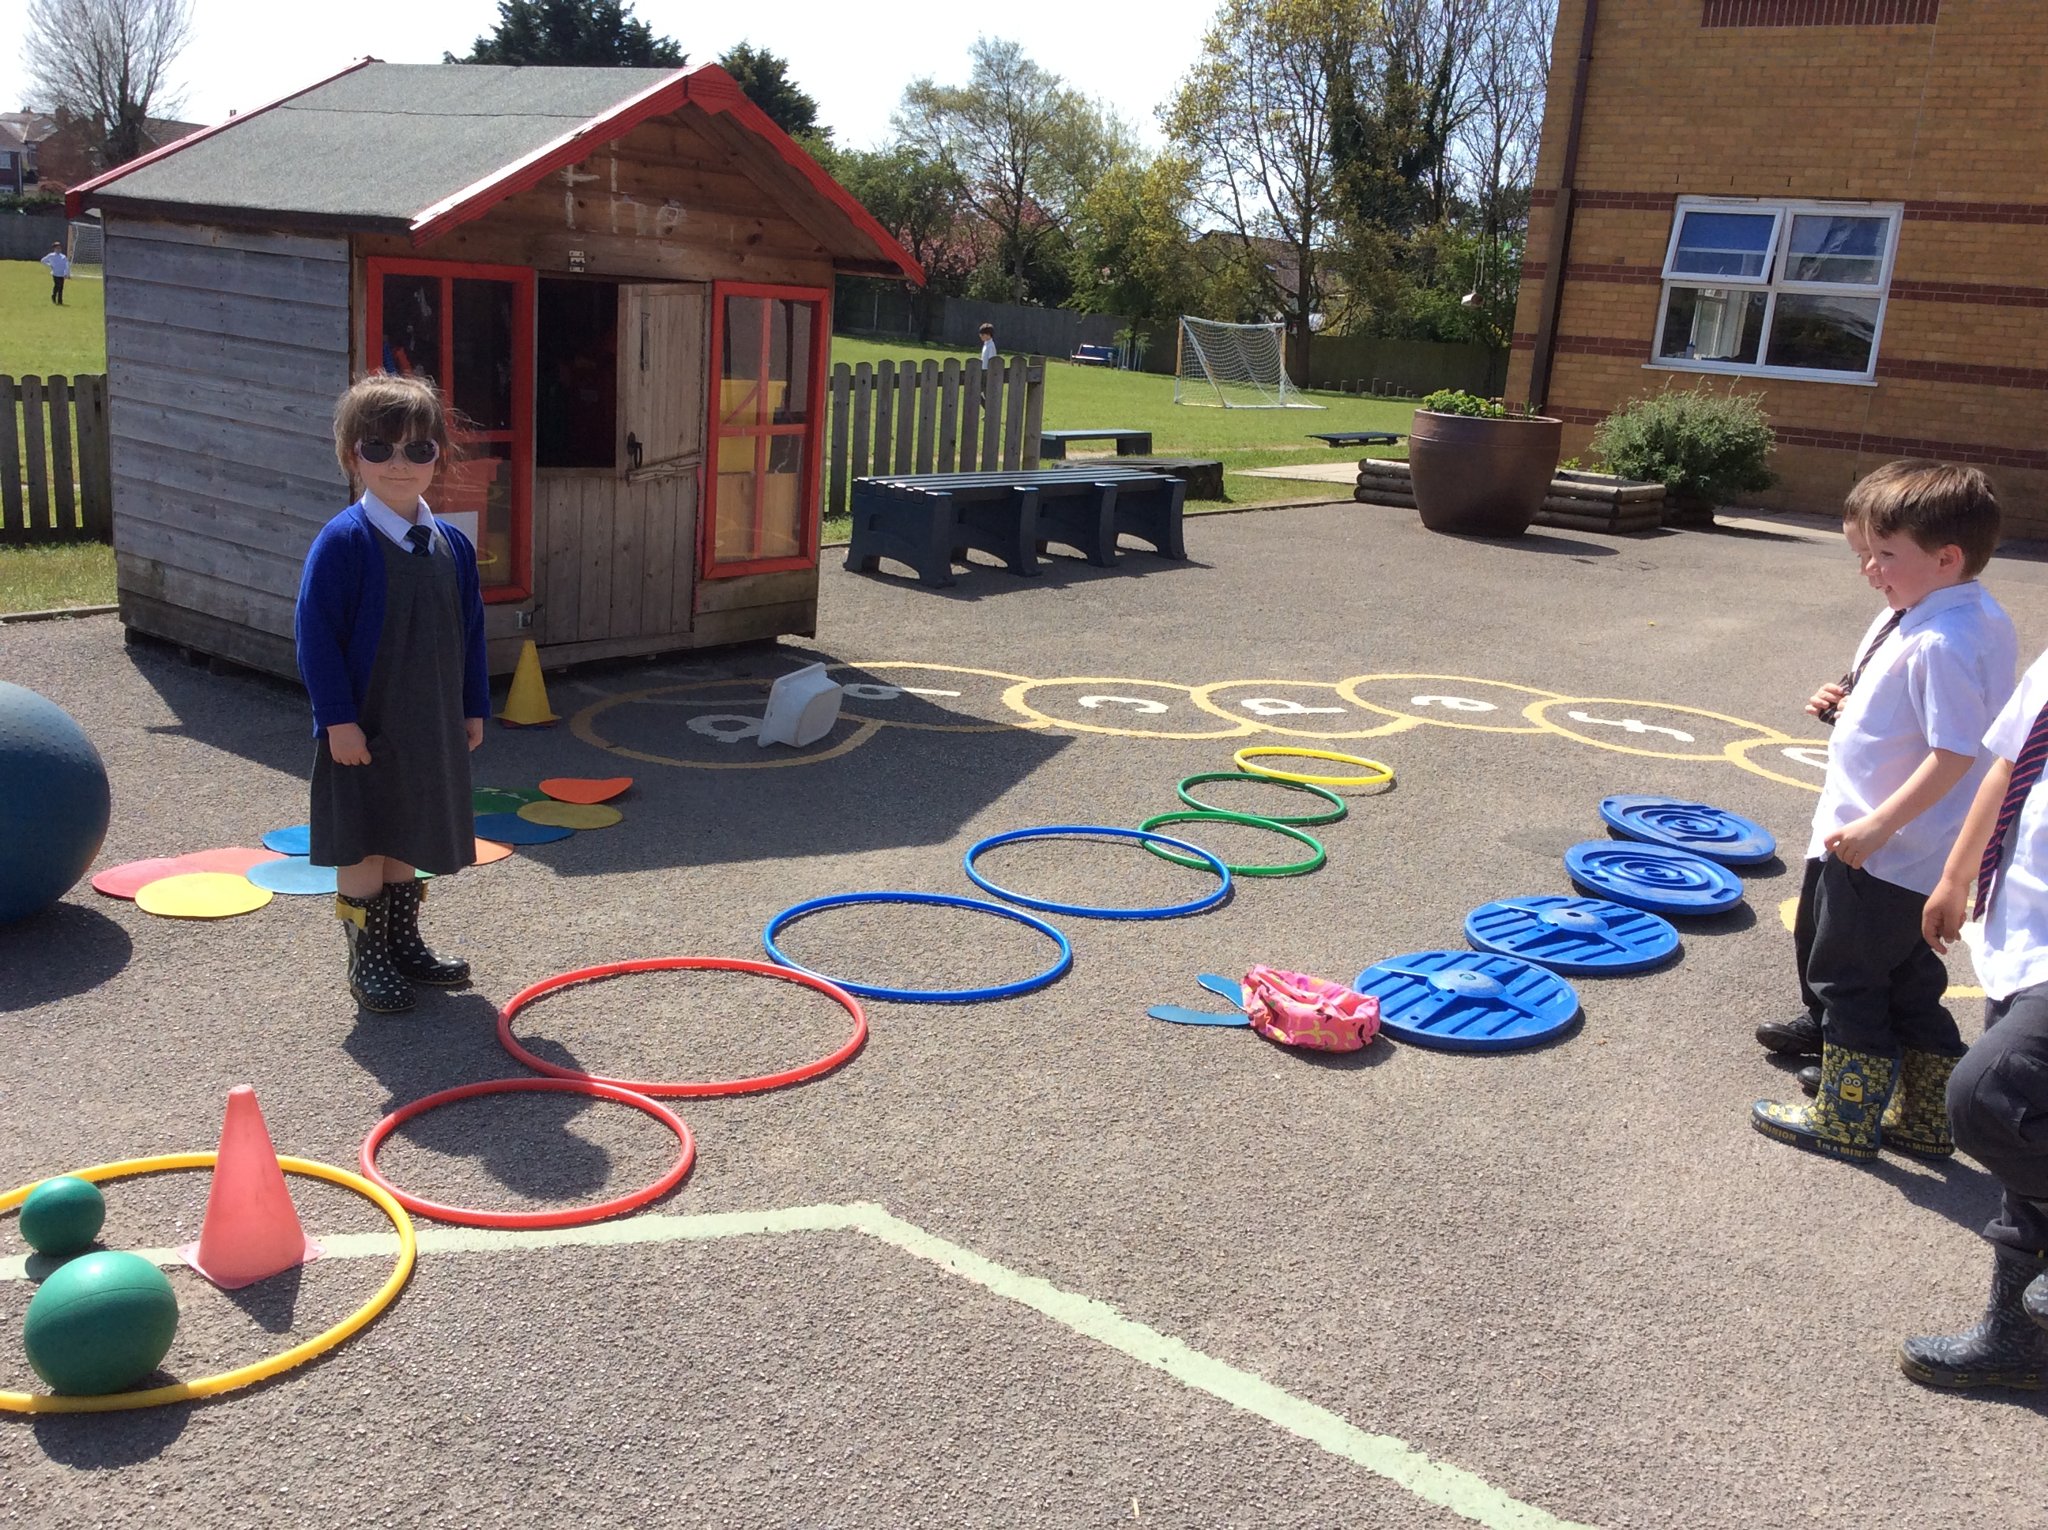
(1355, 437)
(930, 520)
(1129, 443)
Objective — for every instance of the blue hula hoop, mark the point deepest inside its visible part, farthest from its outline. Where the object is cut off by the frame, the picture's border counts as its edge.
(920, 995)
(1081, 910)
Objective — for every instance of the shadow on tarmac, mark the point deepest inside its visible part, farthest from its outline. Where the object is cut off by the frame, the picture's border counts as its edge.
(97, 1442)
(975, 579)
(64, 951)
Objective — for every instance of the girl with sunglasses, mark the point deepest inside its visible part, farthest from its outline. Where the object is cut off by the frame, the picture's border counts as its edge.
(390, 627)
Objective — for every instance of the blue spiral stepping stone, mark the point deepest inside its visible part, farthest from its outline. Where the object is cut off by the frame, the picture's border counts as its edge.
(297, 840)
(1469, 1001)
(511, 829)
(1709, 831)
(1586, 937)
(294, 875)
(1653, 877)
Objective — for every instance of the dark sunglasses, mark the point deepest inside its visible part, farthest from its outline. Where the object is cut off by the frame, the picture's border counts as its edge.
(418, 453)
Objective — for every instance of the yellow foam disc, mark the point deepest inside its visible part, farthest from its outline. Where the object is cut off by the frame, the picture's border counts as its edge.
(571, 815)
(201, 895)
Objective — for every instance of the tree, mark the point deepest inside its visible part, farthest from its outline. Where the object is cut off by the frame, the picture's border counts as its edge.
(1133, 253)
(765, 79)
(1256, 115)
(919, 200)
(1024, 147)
(591, 32)
(108, 62)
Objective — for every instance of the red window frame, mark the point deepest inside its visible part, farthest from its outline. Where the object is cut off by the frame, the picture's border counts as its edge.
(812, 430)
(520, 436)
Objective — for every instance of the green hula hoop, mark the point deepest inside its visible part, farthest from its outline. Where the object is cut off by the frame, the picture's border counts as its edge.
(1300, 820)
(1218, 815)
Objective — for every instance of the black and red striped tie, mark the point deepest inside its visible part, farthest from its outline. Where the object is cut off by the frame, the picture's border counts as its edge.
(2026, 770)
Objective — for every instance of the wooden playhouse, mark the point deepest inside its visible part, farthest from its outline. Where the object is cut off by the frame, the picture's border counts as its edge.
(623, 280)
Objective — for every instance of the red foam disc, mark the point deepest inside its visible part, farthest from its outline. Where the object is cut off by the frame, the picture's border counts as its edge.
(581, 789)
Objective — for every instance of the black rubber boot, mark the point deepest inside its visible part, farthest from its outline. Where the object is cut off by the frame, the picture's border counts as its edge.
(2003, 1350)
(1796, 1037)
(372, 976)
(2034, 1301)
(409, 953)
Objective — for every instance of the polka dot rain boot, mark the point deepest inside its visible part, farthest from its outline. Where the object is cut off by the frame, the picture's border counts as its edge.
(1916, 1121)
(2004, 1349)
(409, 953)
(1843, 1120)
(372, 976)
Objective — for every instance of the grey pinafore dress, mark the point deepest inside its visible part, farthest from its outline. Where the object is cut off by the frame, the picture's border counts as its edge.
(412, 801)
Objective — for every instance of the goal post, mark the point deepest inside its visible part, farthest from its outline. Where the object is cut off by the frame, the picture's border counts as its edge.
(1234, 366)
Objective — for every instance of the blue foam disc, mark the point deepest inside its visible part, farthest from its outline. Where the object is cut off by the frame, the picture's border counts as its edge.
(1581, 936)
(1709, 831)
(511, 829)
(1653, 877)
(1469, 1001)
(297, 840)
(294, 874)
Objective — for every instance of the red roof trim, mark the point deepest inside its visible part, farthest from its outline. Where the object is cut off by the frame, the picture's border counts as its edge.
(708, 88)
(74, 199)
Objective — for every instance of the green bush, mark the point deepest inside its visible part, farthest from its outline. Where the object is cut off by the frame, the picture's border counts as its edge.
(1458, 401)
(1704, 447)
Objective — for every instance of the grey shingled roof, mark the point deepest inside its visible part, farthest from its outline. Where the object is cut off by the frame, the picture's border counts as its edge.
(382, 143)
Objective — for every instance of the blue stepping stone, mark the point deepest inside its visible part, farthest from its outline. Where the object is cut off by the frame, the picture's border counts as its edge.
(294, 875)
(1469, 1001)
(297, 840)
(1707, 831)
(1653, 877)
(511, 829)
(1581, 936)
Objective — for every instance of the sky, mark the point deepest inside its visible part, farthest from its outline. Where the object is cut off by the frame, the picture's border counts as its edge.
(853, 59)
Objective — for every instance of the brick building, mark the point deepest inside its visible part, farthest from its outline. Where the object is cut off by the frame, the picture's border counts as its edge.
(1837, 204)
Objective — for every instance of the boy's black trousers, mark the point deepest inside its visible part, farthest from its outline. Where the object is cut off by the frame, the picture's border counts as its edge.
(1998, 1109)
(1878, 981)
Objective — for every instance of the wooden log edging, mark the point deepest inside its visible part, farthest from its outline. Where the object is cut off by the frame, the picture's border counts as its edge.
(1577, 500)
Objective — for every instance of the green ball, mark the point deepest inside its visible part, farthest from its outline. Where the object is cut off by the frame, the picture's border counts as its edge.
(62, 1216)
(100, 1323)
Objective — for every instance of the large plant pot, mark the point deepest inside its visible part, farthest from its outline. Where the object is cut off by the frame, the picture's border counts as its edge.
(1478, 477)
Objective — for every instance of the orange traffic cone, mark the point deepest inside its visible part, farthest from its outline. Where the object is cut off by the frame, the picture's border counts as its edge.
(251, 1230)
(526, 705)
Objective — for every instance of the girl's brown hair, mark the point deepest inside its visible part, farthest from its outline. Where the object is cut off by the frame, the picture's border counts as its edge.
(383, 406)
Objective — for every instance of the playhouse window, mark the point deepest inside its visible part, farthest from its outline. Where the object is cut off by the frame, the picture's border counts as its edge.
(470, 329)
(1779, 289)
(766, 412)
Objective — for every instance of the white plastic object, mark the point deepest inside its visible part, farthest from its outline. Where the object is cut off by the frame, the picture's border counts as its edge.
(802, 707)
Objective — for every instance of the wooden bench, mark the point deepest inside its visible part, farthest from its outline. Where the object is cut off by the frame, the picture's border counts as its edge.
(1093, 356)
(1355, 437)
(930, 520)
(1129, 443)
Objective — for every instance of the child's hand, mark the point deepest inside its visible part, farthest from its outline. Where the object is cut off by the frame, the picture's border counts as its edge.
(474, 726)
(347, 746)
(1825, 700)
(1948, 906)
(1857, 842)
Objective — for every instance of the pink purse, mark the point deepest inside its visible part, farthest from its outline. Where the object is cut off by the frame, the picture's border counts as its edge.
(1297, 1010)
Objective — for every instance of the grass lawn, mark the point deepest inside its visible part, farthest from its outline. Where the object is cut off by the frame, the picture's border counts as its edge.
(39, 339)
(44, 578)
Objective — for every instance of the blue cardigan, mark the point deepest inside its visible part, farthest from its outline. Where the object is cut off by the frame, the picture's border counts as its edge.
(340, 616)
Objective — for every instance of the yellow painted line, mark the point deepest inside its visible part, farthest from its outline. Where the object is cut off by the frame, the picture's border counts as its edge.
(1740, 751)
(998, 725)
(1386, 1456)
(1538, 712)
(1348, 689)
(1204, 696)
(584, 726)
(1112, 687)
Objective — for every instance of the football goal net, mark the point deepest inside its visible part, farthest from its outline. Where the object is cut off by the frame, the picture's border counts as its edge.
(1237, 366)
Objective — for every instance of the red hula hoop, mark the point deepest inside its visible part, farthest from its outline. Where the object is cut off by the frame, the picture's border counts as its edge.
(657, 1088)
(575, 1216)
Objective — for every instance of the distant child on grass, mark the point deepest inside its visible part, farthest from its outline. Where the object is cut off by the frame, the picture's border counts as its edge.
(988, 344)
(1906, 758)
(390, 627)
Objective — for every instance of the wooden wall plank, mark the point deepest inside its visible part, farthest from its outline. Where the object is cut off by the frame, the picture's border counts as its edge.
(683, 500)
(657, 560)
(908, 379)
(948, 452)
(35, 456)
(96, 476)
(11, 516)
(232, 638)
(753, 590)
(594, 549)
(885, 416)
(863, 421)
(557, 504)
(992, 416)
(970, 415)
(1013, 413)
(755, 623)
(1034, 409)
(63, 498)
(628, 529)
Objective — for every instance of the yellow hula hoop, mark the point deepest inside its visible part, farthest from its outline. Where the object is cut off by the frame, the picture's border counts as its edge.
(1380, 774)
(261, 1370)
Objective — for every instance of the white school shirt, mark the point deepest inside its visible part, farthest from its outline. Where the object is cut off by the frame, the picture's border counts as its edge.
(58, 264)
(988, 350)
(395, 526)
(2010, 947)
(1936, 683)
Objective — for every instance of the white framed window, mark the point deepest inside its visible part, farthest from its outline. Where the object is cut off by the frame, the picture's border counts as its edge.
(1776, 289)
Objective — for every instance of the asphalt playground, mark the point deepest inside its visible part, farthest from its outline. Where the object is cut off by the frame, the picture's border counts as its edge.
(1043, 1261)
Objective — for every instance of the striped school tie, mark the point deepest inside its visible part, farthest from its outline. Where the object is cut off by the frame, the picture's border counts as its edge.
(1830, 713)
(422, 541)
(2026, 770)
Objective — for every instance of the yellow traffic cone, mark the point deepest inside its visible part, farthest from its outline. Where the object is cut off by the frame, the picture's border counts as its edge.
(527, 704)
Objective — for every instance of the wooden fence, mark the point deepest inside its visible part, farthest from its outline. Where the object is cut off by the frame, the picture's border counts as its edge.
(911, 417)
(56, 477)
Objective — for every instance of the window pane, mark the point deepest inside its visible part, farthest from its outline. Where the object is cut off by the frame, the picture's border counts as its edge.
(1724, 244)
(1712, 324)
(789, 360)
(733, 535)
(740, 366)
(412, 326)
(1826, 248)
(1832, 334)
(475, 493)
(482, 381)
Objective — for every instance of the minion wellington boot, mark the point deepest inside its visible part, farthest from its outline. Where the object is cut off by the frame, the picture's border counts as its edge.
(1843, 1119)
(410, 954)
(372, 977)
(1916, 1121)
(2004, 1349)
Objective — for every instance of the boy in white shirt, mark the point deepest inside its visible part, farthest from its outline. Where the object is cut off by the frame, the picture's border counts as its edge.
(60, 267)
(988, 344)
(1901, 772)
(1998, 1096)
